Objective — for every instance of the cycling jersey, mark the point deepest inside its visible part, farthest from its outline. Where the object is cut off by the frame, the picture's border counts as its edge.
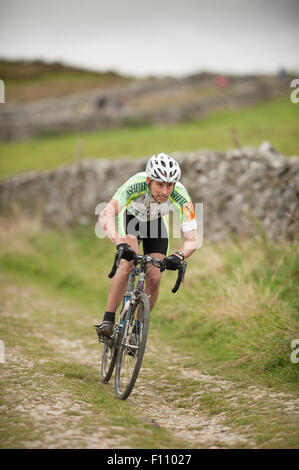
(135, 197)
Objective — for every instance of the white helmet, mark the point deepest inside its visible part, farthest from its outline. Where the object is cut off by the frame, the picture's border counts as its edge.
(162, 167)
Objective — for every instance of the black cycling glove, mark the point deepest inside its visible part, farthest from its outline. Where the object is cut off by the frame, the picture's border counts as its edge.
(171, 262)
(128, 252)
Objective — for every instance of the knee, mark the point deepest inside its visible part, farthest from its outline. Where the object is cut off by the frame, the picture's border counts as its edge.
(153, 281)
(126, 266)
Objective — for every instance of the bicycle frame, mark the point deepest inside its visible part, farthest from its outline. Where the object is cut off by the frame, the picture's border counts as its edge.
(122, 351)
(141, 272)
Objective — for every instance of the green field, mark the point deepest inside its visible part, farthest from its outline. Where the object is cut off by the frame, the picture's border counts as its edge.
(276, 121)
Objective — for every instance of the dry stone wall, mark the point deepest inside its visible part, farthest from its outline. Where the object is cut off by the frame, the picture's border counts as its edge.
(240, 189)
(143, 101)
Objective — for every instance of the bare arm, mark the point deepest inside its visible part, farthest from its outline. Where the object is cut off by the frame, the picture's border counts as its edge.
(190, 244)
(107, 221)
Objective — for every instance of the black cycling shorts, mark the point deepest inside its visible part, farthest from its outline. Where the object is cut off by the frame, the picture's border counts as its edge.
(152, 233)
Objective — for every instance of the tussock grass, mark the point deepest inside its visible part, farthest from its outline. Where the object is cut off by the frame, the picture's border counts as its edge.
(238, 308)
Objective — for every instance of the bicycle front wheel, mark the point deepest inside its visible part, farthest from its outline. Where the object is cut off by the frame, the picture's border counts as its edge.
(110, 349)
(132, 346)
(108, 361)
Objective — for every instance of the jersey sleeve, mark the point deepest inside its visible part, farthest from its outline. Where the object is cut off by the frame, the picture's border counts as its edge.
(130, 189)
(184, 207)
(121, 195)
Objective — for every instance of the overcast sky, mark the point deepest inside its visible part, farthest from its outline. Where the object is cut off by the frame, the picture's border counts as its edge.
(154, 36)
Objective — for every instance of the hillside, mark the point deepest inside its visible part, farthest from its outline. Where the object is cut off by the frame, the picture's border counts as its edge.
(109, 101)
(36, 80)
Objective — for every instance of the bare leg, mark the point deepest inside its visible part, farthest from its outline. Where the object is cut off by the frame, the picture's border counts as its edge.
(118, 285)
(119, 282)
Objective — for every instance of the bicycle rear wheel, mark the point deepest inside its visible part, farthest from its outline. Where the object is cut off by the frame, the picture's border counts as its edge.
(132, 346)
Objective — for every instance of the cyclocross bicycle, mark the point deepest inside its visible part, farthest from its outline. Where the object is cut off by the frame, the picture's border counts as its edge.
(125, 348)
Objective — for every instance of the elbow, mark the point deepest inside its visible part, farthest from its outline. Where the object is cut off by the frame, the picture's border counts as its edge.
(193, 242)
(103, 220)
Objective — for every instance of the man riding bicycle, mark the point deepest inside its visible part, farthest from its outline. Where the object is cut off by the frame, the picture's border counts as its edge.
(139, 211)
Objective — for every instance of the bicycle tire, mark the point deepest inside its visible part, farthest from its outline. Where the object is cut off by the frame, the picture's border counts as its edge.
(110, 350)
(108, 362)
(128, 361)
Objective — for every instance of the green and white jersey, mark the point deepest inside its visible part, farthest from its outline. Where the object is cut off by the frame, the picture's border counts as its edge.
(135, 196)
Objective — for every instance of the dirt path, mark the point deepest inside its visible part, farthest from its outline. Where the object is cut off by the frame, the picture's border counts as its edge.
(167, 394)
(183, 415)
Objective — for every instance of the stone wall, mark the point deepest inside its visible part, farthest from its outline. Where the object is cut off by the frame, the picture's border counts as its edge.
(238, 189)
(143, 101)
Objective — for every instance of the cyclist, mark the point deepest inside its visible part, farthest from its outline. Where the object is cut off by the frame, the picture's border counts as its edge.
(139, 211)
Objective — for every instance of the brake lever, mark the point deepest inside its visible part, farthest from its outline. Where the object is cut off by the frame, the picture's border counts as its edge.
(184, 267)
(181, 276)
(117, 258)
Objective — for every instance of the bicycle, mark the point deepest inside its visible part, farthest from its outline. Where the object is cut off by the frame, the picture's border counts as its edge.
(125, 348)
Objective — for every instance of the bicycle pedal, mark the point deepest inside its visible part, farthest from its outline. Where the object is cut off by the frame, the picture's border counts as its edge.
(108, 340)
